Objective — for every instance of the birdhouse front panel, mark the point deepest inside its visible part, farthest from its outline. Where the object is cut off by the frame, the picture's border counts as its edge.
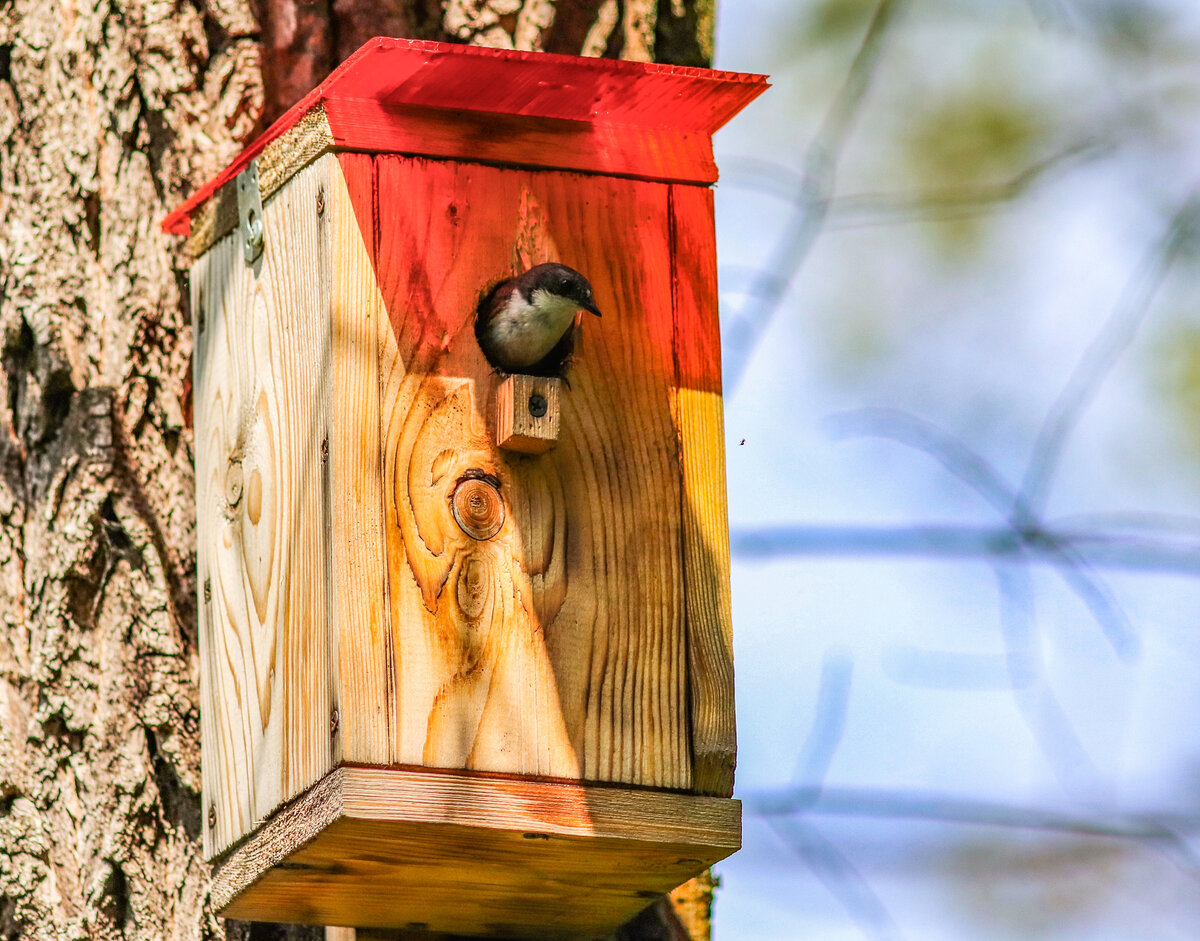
(557, 645)
(415, 563)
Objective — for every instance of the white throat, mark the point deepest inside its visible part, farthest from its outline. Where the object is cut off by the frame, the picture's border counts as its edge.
(530, 330)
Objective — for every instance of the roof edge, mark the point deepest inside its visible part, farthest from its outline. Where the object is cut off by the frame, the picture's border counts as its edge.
(536, 85)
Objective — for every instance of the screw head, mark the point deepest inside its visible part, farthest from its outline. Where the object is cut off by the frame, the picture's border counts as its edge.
(212, 816)
(254, 236)
(334, 719)
(538, 405)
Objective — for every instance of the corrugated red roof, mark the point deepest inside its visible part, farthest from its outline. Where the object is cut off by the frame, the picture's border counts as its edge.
(540, 85)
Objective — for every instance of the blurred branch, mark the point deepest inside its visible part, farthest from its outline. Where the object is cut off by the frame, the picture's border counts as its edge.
(839, 876)
(950, 202)
(1040, 709)
(868, 209)
(942, 808)
(829, 720)
(1134, 521)
(1099, 549)
(904, 428)
(816, 186)
(826, 861)
(1051, 14)
(978, 474)
(1100, 357)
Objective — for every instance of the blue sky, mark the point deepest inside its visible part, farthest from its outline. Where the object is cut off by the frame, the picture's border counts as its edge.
(980, 349)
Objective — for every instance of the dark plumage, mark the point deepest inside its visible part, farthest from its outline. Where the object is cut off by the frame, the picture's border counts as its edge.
(525, 324)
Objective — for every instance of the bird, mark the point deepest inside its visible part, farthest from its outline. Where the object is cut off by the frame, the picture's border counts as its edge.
(525, 324)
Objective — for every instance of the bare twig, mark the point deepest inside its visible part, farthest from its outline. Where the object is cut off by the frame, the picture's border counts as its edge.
(945, 808)
(905, 428)
(1100, 357)
(1123, 523)
(1039, 707)
(1051, 14)
(839, 875)
(977, 473)
(819, 175)
(829, 721)
(1100, 549)
(870, 209)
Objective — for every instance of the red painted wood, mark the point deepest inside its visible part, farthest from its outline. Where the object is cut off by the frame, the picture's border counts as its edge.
(698, 332)
(660, 154)
(598, 507)
(628, 98)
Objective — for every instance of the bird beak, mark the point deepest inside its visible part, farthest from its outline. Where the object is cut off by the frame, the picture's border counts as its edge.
(591, 308)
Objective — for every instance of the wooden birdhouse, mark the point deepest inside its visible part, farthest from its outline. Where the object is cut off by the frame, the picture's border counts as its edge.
(466, 658)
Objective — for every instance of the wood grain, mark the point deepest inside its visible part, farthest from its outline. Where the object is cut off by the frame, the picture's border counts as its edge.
(543, 860)
(354, 125)
(519, 426)
(342, 402)
(303, 143)
(262, 370)
(556, 647)
(661, 153)
(527, 104)
(701, 423)
(361, 637)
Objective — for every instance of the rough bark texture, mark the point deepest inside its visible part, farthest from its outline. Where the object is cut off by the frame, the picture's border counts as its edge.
(109, 113)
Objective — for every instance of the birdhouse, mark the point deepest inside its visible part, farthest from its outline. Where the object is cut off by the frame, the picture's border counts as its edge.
(466, 656)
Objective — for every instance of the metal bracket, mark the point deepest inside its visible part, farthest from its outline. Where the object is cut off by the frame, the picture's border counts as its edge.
(250, 213)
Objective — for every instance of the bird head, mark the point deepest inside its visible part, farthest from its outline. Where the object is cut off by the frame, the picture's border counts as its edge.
(561, 282)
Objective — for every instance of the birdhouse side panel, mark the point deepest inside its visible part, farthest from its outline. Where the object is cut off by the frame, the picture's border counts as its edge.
(554, 646)
(262, 363)
(362, 720)
(700, 414)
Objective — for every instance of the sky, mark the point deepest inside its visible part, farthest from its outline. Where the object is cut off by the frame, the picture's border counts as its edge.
(905, 363)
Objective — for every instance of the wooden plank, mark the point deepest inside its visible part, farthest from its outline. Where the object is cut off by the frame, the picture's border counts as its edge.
(280, 160)
(701, 422)
(630, 98)
(660, 153)
(557, 646)
(355, 125)
(362, 635)
(261, 368)
(464, 854)
(527, 413)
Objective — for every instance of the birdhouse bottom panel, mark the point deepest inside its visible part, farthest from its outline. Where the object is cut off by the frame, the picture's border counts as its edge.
(466, 855)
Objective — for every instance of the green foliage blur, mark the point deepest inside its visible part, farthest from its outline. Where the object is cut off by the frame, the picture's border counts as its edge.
(978, 118)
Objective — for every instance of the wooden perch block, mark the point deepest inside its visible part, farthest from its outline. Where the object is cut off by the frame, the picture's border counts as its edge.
(478, 852)
(527, 409)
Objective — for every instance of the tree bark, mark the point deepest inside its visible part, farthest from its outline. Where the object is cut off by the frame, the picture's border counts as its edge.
(109, 114)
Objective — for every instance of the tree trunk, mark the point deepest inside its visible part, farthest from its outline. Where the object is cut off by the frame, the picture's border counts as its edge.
(109, 114)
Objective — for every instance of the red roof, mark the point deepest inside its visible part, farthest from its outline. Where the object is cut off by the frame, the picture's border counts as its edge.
(503, 81)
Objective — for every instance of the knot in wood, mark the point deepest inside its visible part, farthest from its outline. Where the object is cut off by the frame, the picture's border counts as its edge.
(478, 508)
(233, 483)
